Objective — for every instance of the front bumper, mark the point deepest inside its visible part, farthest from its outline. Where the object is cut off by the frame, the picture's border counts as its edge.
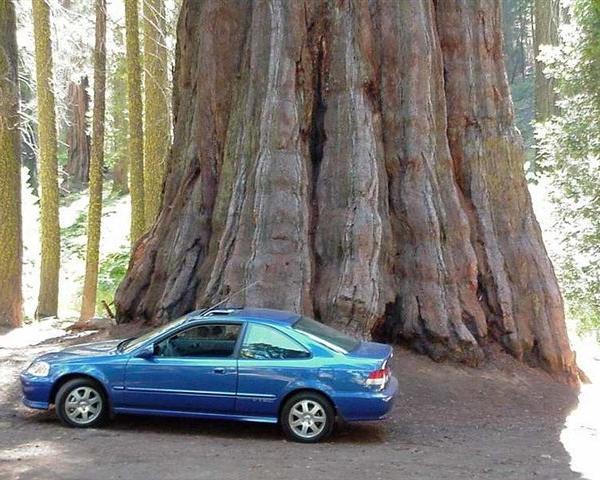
(36, 391)
(367, 406)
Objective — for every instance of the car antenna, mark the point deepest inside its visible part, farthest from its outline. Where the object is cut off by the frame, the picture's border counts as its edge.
(206, 311)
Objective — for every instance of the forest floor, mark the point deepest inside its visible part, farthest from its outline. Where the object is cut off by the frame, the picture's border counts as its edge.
(502, 421)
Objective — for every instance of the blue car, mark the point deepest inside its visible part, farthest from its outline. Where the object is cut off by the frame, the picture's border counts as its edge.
(256, 365)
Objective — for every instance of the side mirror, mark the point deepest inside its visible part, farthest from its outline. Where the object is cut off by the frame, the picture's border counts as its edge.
(146, 353)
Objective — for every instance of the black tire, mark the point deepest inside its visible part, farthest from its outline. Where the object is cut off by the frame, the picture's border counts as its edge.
(79, 386)
(311, 399)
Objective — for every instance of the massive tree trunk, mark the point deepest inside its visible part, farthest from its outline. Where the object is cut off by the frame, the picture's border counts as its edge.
(11, 243)
(359, 161)
(78, 139)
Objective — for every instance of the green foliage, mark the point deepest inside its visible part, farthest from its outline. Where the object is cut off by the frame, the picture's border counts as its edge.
(570, 145)
(71, 236)
(62, 154)
(517, 33)
(112, 270)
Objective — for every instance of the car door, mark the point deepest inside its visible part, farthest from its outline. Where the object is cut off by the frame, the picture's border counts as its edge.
(269, 361)
(192, 370)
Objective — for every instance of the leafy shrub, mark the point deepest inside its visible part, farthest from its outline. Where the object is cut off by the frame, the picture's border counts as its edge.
(111, 272)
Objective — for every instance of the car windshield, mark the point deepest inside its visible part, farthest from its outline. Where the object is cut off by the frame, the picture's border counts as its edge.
(132, 343)
(330, 337)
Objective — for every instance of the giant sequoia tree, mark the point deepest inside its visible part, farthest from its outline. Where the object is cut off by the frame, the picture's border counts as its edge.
(359, 161)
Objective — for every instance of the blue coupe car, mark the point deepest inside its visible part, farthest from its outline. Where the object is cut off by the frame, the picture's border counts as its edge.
(255, 365)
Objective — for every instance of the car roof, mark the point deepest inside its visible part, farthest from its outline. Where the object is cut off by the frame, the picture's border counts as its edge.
(262, 315)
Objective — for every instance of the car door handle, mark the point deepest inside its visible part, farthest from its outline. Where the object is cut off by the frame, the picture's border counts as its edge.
(219, 370)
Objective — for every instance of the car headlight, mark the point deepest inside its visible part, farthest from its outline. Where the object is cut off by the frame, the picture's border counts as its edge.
(39, 369)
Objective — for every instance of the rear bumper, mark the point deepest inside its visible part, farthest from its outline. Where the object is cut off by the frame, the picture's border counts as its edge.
(36, 391)
(365, 406)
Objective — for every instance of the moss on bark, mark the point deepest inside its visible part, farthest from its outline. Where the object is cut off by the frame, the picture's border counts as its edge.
(11, 250)
(49, 221)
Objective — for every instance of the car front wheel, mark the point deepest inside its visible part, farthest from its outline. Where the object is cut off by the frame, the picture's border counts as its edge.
(81, 403)
(307, 417)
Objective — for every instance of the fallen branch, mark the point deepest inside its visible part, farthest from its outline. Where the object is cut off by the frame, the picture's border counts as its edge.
(107, 308)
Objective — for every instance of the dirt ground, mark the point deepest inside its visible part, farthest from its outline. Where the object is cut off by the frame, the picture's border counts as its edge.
(502, 421)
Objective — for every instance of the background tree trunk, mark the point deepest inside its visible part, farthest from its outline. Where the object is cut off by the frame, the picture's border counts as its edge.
(117, 109)
(11, 250)
(157, 127)
(136, 131)
(88, 305)
(359, 160)
(547, 18)
(78, 139)
(50, 229)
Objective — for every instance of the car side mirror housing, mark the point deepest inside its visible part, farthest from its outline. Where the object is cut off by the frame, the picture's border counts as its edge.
(147, 352)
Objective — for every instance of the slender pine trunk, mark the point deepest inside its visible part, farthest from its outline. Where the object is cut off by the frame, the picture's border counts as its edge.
(157, 130)
(11, 243)
(49, 220)
(90, 284)
(136, 131)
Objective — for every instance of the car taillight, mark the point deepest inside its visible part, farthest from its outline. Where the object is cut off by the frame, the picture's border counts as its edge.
(379, 378)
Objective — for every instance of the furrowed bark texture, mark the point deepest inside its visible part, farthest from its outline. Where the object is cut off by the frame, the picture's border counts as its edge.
(49, 221)
(523, 302)
(11, 243)
(78, 139)
(358, 161)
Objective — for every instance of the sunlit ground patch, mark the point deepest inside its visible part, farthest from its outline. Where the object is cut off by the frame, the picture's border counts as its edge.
(581, 432)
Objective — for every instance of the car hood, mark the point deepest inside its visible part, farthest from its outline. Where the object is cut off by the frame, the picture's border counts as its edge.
(95, 349)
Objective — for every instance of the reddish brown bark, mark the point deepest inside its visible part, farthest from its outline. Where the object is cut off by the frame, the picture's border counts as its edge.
(523, 302)
(359, 161)
(78, 138)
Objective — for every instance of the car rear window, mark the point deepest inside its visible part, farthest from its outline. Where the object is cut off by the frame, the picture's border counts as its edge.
(328, 336)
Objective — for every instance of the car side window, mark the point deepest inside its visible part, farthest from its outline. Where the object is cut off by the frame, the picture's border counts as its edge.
(266, 343)
(207, 340)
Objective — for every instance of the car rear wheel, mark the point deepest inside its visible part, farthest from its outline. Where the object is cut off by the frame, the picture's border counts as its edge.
(81, 403)
(307, 417)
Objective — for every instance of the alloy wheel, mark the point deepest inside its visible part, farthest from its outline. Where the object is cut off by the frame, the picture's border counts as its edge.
(307, 418)
(83, 405)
